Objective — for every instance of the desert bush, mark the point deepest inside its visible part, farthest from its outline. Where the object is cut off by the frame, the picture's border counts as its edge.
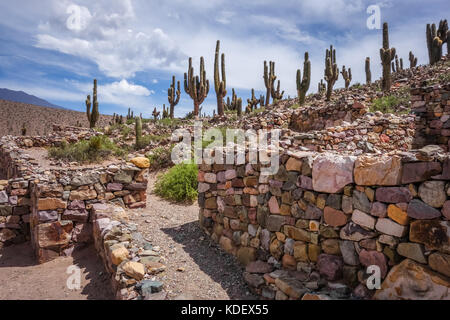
(93, 150)
(160, 158)
(389, 104)
(179, 183)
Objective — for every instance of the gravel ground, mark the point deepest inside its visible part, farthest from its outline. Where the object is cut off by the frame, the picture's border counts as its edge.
(196, 267)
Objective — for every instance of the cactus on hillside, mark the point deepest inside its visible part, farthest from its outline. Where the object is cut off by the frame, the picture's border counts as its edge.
(171, 93)
(303, 84)
(220, 85)
(196, 87)
(321, 87)
(347, 75)
(368, 72)
(412, 60)
(387, 55)
(401, 63)
(155, 114)
(24, 129)
(165, 114)
(239, 107)
(93, 115)
(138, 129)
(397, 64)
(435, 40)
(331, 70)
(269, 79)
(253, 102)
(276, 94)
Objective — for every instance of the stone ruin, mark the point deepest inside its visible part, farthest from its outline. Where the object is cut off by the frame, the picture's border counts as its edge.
(62, 209)
(375, 193)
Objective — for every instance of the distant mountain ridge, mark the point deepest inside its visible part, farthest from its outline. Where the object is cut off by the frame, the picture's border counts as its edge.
(23, 97)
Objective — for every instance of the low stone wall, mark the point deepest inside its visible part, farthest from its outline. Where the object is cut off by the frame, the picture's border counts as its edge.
(311, 230)
(130, 260)
(432, 105)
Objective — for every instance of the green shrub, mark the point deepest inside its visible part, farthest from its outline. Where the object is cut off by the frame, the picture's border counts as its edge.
(93, 150)
(295, 106)
(160, 157)
(179, 183)
(389, 104)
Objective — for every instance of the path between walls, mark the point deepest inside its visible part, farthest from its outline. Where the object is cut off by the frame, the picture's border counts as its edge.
(196, 268)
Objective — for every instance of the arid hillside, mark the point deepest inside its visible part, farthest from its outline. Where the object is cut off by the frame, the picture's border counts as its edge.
(38, 120)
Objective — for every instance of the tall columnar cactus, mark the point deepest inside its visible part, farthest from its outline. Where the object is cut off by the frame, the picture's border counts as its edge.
(412, 60)
(262, 99)
(24, 129)
(393, 67)
(239, 107)
(331, 70)
(196, 87)
(397, 64)
(435, 40)
(253, 102)
(368, 72)
(173, 96)
(448, 43)
(269, 79)
(129, 114)
(93, 115)
(303, 84)
(321, 87)
(220, 85)
(347, 75)
(401, 63)
(138, 129)
(276, 94)
(387, 56)
(165, 112)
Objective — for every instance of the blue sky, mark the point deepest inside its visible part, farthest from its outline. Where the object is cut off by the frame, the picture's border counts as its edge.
(133, 47)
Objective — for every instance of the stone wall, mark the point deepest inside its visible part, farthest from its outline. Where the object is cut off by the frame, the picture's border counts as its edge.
(432, 105)
(311, 230)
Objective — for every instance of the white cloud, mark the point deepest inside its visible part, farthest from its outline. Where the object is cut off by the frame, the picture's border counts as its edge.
(124, 87)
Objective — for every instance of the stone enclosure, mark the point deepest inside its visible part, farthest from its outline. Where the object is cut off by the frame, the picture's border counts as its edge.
(312, 230)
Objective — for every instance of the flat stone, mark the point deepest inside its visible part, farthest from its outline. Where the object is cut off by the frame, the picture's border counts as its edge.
(398, 215)
(363, 219)
(141, 162)
(149, 287)
(294, 165)
(47, 216)
(417, 282)
(354, 232)
(47, 204)
(361, 202)
(335, 218)
(76, 215)
(378, 209)
(275, 222)
(119, 254)
(253, 280)
(332, 173)
(419, 210)
(312, 213)
(245, 255)
(433, 234)
(420, 171)
(259, 267)
(378, 170)
(393, 194)
(433, 193)
(297, 234)
(124, 177)
(446, 210)
(370, 258)
(6, 235)
(89, 194)
(349, 254)
(54, 234)
(389, 227)
(330, 267)
(274, 208)
(3, 197)
(412, 251)
(291, 287)
(301, 251)
(440, 262)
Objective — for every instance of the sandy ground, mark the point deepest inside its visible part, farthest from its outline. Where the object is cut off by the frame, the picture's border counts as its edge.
(22, 279)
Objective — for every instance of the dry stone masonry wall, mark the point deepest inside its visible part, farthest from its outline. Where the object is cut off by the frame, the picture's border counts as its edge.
(315, 226)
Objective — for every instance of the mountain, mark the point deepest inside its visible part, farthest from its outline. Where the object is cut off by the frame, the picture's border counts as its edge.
(23, 97)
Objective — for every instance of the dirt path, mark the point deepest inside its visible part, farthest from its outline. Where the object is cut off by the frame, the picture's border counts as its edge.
(22, 279)
(196, 267)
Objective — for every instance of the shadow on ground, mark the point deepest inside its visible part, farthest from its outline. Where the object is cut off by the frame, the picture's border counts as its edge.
(18, 267)
(222, 267)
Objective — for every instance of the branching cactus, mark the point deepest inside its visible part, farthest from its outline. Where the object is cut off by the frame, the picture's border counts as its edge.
(155, 114)
(303, 84)
(253, 102)
(276, 94)
(269, 79)
(412, 60)
(165, 112)
(347, 75)
(173, 96)
(220, 85)
(321, 87)
(331, 71)
(138, 129)
(368, 72)
(196, 87)
(94, 115)
(387, 56)
(435, 40)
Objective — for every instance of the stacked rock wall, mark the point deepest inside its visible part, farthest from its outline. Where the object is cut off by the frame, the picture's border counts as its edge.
(316, 225)
(432, 105)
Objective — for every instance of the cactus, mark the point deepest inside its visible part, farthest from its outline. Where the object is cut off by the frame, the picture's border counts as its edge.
(94, 115)
(155, 114)
(401, 63)
(24, 129)
(262, 99)
(331, 70)
(138, 129)
(368, 72)
(239, 107)
(129, 114)
(269, 79)
(397, 65)
(303, 84)
(387, 56)
(347, 75)
(321, 87)
(412, 60)
(165, 114)
(253, 102)
(276, 95)
(220, 85)
(393, 67)
(435, 39)
(196, 87)
(173, 101)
